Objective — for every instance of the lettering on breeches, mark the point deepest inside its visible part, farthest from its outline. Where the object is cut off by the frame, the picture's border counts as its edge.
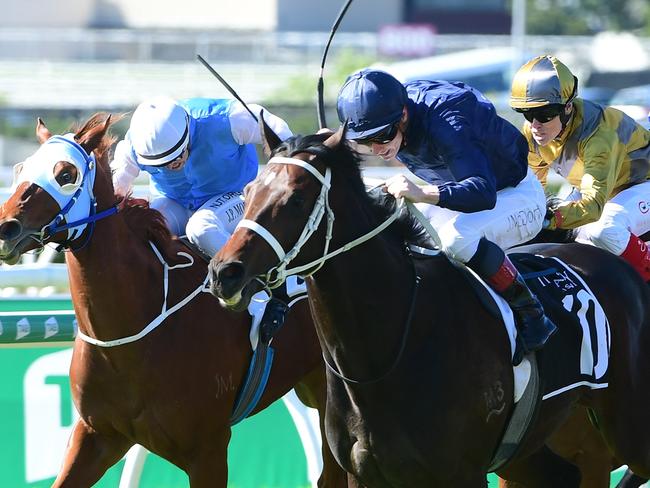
(523, 218)
(233, 213)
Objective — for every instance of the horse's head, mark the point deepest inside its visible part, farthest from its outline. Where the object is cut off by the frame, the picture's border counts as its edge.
(53, 188)
(288, 220)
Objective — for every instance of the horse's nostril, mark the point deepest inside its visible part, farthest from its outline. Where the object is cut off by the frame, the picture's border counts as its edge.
(228, 275)
(230, 271)
(10, 230)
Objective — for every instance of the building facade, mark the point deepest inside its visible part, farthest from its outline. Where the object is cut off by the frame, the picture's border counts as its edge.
(445, 16)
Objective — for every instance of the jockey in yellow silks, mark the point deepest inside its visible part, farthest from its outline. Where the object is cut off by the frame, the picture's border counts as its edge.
(603, 153)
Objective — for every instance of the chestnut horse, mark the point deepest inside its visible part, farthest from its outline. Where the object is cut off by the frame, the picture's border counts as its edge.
(420, 383)
(171, 390)
(580, 442)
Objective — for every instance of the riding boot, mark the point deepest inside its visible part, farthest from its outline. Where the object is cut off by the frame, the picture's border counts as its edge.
(638, 255)
(273, 319)
(532, 324)
(492, 264)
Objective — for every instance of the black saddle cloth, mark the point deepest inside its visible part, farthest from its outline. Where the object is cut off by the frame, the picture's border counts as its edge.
(567, 301)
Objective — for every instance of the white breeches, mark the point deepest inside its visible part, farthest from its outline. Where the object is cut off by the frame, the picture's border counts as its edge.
(210, 226)
(516, 218)
(629, 211)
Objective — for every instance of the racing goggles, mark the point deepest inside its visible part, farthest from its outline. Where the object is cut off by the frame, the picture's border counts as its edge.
(542, 114)
(382, 137)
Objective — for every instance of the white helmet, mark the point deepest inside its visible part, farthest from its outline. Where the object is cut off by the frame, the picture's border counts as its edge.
(159, 131)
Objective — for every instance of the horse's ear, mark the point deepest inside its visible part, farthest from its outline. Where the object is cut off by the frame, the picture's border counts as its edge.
(270, 139)
(42, 132)
(91, 134)
(338, 137)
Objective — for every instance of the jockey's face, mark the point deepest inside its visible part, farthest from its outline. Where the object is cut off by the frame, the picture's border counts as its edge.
(545, 132)
(388, 150)
(387, 147)
(547, 129)
(179, 162)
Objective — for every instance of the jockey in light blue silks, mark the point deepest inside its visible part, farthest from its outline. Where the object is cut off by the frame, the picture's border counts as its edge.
(481, 196)
(199, 155)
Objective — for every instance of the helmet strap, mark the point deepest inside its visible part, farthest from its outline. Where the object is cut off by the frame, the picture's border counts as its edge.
(403, 125)
(565, 118)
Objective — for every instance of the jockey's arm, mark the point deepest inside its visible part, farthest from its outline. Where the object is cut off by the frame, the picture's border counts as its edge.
(245, 130)
(474, 186)
(124, 167)
(602, 158)
(539, 167)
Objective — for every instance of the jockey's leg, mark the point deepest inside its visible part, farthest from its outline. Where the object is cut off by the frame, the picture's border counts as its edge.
(638, 255)
(210, 227)
(624, 217)
(492, 264)
(214, 222)
(478, 239)
(621, 242)
(176, 216)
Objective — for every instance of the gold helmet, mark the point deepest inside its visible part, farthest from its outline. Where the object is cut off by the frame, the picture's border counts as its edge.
(543, 80)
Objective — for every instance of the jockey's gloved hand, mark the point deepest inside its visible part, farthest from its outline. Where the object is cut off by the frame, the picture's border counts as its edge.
(550, 220)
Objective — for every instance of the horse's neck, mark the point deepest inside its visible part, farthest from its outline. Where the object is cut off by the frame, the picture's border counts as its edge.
(349, 298)
(115, 281)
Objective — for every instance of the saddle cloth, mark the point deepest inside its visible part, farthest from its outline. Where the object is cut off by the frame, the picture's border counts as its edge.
(578, 353)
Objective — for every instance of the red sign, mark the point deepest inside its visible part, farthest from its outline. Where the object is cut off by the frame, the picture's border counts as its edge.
(414, 40)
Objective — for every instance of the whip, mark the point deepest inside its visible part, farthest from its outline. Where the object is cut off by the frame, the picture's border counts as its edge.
(225, 84)
(320, 108)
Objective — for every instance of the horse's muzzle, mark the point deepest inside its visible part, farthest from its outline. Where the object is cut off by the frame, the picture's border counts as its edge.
(10, 230)
(228, 283)
(11, 233)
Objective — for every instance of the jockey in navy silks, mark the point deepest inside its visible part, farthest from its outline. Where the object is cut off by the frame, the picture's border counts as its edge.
(480, 198)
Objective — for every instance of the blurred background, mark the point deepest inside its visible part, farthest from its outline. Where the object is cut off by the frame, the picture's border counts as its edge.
(66, 59)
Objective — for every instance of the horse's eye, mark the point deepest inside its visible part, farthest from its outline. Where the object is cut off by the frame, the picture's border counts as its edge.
(65, 175)
(64, 178)
(297, 201)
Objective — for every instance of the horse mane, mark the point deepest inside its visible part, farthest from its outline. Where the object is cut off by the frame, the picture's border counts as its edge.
(93, 124)
(346, 162)
(145, 222)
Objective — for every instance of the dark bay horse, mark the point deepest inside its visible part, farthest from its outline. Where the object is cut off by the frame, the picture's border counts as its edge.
(172, 390)
(420, 379)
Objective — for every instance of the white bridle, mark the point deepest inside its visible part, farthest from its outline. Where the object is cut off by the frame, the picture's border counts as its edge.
(277, 274)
